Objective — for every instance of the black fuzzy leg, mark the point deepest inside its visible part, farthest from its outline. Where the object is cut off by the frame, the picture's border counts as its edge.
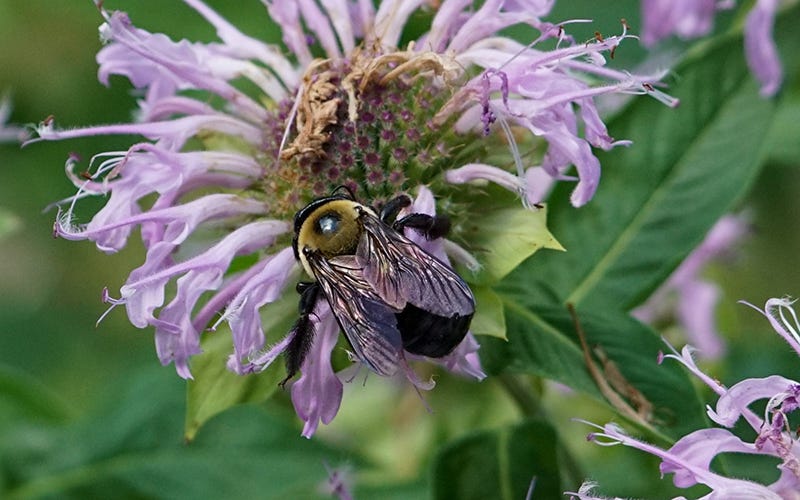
(432, 226)
(392, 208)
(303, 330)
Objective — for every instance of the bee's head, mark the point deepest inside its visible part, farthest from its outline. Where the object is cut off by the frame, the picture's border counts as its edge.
(329, 226)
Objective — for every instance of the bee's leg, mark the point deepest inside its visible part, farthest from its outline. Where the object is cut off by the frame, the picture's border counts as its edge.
(392, 208)
(303, 329)
(432, 226)
(346, 189)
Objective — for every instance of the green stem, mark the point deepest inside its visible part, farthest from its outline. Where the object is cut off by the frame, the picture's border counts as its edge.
(521, 392)
(529, 403)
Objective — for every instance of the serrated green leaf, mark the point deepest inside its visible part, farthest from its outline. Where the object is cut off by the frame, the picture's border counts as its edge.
(215, 389)
(658, 198)
(504, 237)
(489, 317)
(500, 464)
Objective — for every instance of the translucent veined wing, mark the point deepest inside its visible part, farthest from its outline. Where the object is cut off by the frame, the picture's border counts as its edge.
(368, 323)
(401, 272)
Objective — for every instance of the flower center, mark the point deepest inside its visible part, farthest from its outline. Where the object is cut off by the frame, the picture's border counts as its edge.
(365, 123)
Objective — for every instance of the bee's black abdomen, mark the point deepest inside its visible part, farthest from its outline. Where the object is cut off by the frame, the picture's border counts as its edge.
(430, 335)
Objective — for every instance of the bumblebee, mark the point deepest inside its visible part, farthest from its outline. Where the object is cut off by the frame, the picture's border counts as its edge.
(387, 293)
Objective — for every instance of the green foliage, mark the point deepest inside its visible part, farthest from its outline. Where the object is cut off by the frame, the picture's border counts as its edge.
(657, 199)
(655, 203)
(500, 464)
(542, 341)
(132, 449)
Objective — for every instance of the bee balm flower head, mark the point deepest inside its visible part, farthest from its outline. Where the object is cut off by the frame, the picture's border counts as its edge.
(219, 172)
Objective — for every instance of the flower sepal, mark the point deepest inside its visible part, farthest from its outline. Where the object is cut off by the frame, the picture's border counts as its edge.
(501, 232)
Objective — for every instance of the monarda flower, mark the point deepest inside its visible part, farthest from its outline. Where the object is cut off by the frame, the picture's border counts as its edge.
(690, 19)
(689, 459)
(237, 135)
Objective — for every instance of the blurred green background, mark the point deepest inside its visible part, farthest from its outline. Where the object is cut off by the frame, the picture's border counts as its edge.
(50, 289)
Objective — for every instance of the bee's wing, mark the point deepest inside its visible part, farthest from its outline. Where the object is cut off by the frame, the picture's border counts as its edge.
(401, 272)
(368, 322)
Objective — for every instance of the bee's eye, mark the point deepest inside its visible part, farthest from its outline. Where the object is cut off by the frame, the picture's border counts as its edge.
(328, 224)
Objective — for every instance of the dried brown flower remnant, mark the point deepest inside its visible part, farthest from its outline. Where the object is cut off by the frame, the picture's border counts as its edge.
(327, 82)
(317, 106)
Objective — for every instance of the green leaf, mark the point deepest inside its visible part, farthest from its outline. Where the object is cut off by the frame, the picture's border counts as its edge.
(215, 389)
(504, 237)
(542, 340)
(500, 464)
(658, 198)
(536, 347)
(489, 316)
